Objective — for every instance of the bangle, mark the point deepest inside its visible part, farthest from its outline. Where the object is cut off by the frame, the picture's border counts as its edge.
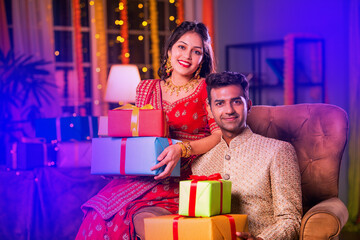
(185, 149)
(188, 149)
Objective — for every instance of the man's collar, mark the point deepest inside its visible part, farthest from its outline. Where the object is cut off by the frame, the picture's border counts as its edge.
(239, 139)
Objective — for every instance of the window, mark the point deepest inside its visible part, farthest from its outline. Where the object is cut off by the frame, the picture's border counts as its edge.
(139, 35)
(64, 53)
(139, 43)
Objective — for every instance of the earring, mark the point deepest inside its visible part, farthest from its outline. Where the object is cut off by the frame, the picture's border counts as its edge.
(168, 67)
(197, 73)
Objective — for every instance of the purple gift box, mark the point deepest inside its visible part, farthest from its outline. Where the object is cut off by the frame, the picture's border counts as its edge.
(129, 156)
(30, 155)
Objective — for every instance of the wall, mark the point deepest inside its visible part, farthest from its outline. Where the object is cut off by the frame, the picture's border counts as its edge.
(245, 21)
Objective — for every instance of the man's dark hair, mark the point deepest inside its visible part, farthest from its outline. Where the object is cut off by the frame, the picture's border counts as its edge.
(223, 79)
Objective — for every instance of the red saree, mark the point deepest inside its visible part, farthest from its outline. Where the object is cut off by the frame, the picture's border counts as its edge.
(108, 215)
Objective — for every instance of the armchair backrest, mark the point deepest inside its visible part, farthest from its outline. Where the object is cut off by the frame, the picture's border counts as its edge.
(318, 133)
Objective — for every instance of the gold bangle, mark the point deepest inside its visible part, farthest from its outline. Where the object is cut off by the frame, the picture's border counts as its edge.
(188, 149)
(183, 149)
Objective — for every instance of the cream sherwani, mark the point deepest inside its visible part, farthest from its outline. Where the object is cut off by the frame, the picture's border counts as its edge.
(266, 182)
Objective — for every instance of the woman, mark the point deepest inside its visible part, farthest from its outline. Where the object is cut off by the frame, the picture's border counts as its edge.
(118, 209)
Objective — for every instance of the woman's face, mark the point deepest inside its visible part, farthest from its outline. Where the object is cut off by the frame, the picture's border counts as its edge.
(186, 54)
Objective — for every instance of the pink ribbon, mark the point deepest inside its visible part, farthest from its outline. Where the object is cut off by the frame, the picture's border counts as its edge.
(122, 156)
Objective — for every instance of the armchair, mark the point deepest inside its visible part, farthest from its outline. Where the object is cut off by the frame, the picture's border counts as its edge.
(318, 133)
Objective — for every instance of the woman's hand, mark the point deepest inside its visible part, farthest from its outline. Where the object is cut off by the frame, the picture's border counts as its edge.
(169, 157)
(246, 235)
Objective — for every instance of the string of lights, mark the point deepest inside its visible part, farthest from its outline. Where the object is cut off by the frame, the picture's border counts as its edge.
(155, 51)
(101, 47)
(78, 53)
(124, 33)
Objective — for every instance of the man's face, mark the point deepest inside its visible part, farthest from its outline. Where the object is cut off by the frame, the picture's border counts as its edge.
(229, 109)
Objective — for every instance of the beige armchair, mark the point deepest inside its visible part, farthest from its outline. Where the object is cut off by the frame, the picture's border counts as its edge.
(319, 134)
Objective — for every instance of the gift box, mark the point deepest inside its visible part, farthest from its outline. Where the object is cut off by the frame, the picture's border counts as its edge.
(129, 156)
(67, 128)
(188, 228)
(103, 126)
(74, 154)
(205, 198)
(30, 155)
(137, 122)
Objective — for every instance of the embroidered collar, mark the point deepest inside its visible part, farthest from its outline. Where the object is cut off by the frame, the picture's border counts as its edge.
(238, 140)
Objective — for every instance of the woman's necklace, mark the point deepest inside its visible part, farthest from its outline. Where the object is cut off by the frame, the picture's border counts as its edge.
(169, 85)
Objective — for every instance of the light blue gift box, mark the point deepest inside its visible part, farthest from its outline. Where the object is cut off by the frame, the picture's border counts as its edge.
(141, 154)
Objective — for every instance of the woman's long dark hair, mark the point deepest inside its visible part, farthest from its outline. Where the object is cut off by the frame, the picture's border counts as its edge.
(208, 63)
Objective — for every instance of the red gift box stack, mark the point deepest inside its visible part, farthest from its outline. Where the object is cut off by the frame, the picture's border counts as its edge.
(145, 128)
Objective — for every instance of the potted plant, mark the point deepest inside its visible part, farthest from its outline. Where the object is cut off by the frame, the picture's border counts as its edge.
(24, 89)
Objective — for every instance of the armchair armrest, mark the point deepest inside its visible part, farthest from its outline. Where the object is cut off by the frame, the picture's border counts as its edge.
(325, 220)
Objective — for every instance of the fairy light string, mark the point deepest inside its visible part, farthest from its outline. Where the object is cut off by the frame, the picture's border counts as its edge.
(124, 32)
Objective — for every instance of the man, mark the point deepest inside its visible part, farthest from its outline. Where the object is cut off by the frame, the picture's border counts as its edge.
(264, 172)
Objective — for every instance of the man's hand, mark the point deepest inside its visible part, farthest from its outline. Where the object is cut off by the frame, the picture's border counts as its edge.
(246, 235)
(169, 157)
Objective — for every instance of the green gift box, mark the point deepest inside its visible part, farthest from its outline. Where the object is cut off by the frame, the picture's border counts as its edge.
(204, 198)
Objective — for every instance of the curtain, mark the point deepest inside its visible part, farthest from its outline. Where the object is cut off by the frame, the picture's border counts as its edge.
(208, 18)
(4, 32)
(354, 118)
(154, 36)
(78, 53)
(99, 59)
(202, 11)
(34, 35)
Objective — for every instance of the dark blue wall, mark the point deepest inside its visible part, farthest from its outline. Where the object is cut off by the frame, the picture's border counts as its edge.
(245, 21)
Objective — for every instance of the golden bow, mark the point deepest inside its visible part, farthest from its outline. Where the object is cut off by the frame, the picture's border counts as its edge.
(134, 116)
